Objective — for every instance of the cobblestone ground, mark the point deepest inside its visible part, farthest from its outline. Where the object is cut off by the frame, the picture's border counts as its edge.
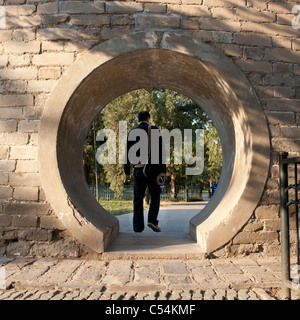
(217, 294)
(78, 279)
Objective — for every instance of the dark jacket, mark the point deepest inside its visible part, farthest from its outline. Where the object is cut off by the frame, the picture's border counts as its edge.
(144, 126)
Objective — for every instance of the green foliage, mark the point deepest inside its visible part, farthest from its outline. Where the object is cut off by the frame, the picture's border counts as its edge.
(169, 110)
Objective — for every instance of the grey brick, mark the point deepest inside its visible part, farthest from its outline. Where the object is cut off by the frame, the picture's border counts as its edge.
(35, 209)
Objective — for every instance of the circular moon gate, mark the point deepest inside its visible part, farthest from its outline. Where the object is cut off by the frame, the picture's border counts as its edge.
(147, 60)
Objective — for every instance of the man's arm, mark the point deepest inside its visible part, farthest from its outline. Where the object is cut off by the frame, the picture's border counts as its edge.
(127, 163)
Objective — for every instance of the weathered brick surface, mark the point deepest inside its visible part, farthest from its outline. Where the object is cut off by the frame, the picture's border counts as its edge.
(82, 7)
(149, 21)
(41, 39)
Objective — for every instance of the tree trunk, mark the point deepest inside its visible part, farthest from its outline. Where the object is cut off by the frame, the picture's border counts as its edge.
(173, 187)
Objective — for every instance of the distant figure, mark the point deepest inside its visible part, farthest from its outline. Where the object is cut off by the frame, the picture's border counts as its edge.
(213, 187)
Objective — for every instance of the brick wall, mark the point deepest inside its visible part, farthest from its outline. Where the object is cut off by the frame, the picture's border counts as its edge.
(39, 40)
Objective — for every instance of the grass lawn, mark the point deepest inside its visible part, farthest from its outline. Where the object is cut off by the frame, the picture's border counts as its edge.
(116, 208)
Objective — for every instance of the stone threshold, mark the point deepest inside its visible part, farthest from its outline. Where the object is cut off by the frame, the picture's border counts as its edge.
(153, 246)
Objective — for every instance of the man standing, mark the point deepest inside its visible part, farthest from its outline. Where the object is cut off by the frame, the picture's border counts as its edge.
(141, 182)
(213, 187)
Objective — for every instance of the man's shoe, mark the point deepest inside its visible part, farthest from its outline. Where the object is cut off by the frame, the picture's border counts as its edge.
(154, 227)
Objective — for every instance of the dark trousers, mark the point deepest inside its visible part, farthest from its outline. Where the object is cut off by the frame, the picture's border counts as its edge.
(140, 184)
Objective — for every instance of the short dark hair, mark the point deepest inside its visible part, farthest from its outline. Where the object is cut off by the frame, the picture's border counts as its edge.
(143, 116)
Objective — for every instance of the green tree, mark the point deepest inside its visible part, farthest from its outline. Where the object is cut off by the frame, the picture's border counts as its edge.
(124, 108)
(169, 110)
(89, 155)
(174, 110)
(214, 153)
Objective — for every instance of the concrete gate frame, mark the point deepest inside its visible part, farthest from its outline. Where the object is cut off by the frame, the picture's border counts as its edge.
(163, 60)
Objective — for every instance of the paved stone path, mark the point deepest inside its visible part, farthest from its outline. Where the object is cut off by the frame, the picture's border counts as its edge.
(217, 294)
(77, 279)
(173, 217)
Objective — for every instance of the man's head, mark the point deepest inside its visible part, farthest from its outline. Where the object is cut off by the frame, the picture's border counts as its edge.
(143, 116)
